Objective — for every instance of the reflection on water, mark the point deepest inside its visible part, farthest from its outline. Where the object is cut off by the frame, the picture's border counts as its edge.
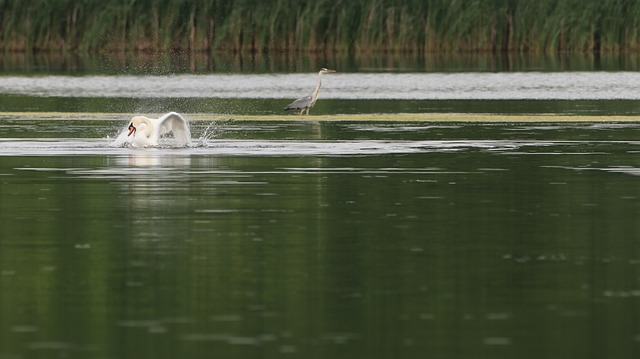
(337, 239)
(347, 86)
(242, 62)
(150, 160)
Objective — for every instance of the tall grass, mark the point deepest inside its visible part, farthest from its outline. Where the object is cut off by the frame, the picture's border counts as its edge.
(321, 25)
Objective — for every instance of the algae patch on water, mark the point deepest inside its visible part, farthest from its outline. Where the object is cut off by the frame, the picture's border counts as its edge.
(435, 117)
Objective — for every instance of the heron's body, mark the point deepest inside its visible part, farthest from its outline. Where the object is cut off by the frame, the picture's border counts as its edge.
(305, 103)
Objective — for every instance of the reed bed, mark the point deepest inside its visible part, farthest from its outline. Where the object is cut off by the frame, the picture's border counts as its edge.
(321, 25)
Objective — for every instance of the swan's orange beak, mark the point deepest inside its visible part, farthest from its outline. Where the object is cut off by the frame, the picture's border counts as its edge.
(132, 129)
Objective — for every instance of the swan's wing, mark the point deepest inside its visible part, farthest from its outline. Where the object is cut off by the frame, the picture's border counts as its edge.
(300, 103)
(178, 125)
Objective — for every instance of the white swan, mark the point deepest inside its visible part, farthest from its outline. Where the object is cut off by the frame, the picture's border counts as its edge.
(147, 131)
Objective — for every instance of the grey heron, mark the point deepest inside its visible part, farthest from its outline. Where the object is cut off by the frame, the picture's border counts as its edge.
(305, 103)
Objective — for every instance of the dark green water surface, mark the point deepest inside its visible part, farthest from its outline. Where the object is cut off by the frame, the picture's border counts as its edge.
(321, 240)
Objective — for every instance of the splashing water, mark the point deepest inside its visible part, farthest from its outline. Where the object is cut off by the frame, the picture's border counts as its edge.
(213, 130)
(122, 140)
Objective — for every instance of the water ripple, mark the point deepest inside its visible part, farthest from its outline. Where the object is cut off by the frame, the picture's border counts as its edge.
(178, 156)
(411, 86)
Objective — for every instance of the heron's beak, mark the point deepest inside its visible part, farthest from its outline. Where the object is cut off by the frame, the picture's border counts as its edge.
(331, 71)
(132, 129)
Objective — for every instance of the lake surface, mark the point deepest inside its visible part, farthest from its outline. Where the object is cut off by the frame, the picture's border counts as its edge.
(348, 86)
(320, 239)
(585, 93)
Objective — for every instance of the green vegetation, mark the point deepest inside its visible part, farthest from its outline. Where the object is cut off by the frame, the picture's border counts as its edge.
(322, 25)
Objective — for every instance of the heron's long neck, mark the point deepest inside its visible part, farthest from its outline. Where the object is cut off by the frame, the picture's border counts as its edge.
(314, 96)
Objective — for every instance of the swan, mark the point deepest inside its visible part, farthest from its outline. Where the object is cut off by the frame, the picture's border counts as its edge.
(147, 131)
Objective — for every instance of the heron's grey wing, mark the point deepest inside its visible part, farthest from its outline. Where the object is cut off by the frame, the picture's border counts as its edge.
(302, 102)
(178, 125)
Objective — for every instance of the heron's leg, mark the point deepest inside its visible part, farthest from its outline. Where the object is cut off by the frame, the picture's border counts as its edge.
(302, 112)
(308, 110)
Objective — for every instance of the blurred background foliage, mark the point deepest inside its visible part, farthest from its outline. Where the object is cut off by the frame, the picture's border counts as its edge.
(423, 26)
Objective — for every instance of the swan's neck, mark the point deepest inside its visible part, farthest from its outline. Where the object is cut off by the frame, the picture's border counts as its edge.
(145, 127)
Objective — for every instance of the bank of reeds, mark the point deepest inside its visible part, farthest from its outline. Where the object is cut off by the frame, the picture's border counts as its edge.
(320, 25)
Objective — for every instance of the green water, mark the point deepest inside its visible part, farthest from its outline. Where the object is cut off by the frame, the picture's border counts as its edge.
(318, 239)
(321, 240)
(231, 107)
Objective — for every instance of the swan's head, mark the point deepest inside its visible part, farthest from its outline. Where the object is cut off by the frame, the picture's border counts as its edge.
(133, 125)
